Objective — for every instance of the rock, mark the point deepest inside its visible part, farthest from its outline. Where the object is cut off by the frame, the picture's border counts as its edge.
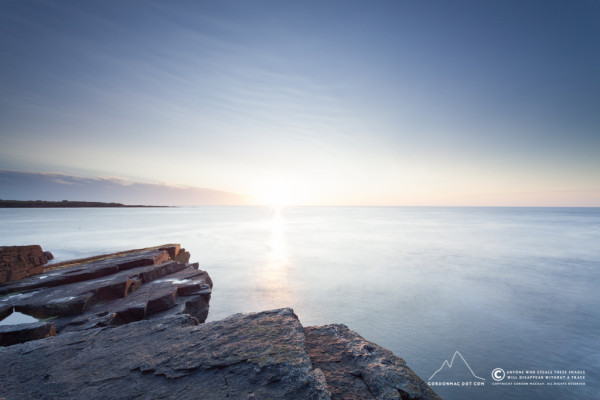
(5, 311)
(111, 290)
(13, 334)
(153, 298)
(18, 262)
(75, 298)
(172, 249)
(260, 355)
(183, 256)
(88, 270)
(358, 369)
(49, 256)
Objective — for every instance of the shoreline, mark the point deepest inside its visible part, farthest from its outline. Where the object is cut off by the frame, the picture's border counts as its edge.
(69, 204)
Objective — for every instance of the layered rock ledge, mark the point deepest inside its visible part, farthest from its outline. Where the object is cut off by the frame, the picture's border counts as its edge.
(109, 290)
(131, 326)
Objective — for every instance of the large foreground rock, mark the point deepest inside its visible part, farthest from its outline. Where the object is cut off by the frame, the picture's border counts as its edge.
(266, 355)
(252, 356)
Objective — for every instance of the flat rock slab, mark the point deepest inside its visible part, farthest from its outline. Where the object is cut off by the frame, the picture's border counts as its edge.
(250, 356)
(13, 334)
(358, 369)
(88, 270)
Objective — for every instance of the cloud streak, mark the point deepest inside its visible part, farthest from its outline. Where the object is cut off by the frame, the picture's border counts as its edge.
(55, 187)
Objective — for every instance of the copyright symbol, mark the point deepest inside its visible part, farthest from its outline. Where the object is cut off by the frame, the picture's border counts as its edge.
(498, 374)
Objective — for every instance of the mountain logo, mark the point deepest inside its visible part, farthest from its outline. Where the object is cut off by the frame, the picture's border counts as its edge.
(458, 369)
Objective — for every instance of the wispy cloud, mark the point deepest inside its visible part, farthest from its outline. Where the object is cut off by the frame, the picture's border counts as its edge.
(16, 185)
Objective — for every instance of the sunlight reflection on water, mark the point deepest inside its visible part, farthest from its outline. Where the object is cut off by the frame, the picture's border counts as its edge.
(272, 282)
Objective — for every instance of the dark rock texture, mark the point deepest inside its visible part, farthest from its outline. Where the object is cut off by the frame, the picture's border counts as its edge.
(18, 262)
(14, 334)
(251, 356)
(5, 311)
(358, 369)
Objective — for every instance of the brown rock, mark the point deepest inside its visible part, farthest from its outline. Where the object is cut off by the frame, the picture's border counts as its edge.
(18, 262)
(87, 271)
(358, 369)
(172, 249)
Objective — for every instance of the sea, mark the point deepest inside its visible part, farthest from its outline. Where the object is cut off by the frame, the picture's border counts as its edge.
(482, 303)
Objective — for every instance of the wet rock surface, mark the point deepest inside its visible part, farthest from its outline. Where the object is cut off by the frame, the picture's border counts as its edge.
(131, 326)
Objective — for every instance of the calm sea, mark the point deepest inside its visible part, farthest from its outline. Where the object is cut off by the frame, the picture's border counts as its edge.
(510, 288)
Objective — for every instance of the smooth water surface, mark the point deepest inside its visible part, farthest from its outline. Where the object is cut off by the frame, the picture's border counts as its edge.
(511, 288)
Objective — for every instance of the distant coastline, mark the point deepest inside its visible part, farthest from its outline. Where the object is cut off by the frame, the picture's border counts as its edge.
(62, 204)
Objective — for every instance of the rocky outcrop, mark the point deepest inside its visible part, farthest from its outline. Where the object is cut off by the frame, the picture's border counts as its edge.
(18, 262)
(246, 356)
(253, 356)
(131, 326)
(355, 368)
(111, 290)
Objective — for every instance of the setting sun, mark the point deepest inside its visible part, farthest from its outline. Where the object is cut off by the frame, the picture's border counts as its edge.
(276, 196)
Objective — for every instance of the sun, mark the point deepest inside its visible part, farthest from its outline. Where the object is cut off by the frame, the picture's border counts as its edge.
(278, 192)
(275, 196)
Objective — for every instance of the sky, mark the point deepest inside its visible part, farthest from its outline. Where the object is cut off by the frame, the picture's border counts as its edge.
(487, 103)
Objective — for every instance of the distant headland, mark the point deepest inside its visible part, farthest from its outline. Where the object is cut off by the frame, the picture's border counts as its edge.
(62, 204)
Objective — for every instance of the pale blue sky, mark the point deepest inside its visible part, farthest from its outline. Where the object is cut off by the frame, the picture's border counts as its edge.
(328, 102)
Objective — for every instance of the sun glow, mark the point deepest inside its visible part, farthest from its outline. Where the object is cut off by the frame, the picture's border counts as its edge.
(276, 196)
